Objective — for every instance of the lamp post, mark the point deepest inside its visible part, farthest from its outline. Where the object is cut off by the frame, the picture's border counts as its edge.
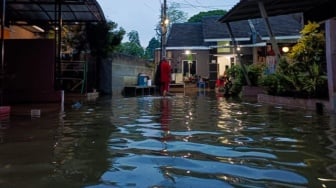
(164, 24)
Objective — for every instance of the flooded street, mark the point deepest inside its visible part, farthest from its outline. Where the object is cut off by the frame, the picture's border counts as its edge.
(183, 141)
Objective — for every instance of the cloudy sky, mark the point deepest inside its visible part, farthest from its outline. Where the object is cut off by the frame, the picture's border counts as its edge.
(143, 15)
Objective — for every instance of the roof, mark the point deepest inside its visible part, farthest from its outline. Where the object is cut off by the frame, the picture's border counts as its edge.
(46, 11)
(282, 25)
(210, 30)
(185, 34)
(248, 9)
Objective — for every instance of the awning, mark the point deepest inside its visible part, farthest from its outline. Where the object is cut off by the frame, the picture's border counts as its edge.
(249, 9)
(47, 11)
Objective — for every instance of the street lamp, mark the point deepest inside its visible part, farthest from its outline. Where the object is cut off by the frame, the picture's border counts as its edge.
(164, 25)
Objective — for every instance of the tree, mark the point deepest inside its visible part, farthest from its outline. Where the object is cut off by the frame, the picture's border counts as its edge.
(133, 37)
(150, 50)
(174, 16)
(308, 58)
(133, 47)
(103, 38)
(198, 17)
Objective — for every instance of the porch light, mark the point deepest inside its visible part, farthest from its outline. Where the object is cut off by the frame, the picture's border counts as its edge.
(285, 49)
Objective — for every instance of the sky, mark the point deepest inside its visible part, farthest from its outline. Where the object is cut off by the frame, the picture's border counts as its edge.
(143, 15)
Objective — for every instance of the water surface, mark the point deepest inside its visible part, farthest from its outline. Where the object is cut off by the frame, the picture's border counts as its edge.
(182, 141)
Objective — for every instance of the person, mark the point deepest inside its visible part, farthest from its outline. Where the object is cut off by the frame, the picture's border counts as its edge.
(165, 71)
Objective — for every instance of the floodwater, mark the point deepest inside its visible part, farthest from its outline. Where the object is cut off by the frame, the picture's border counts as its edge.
(183, 141)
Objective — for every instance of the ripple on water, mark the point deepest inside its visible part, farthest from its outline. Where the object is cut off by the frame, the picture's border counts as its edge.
(230, 144)
(149, 170)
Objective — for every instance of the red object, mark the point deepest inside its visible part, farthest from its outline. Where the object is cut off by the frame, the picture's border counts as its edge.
(220, 82)
(165, 75)
(4, 112)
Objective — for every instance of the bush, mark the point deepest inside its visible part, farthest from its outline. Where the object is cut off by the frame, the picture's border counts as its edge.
(303, 73)
(254, 73)
(270, 84)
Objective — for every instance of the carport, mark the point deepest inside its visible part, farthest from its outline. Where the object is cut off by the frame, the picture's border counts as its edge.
(35, 15)
(313, 10)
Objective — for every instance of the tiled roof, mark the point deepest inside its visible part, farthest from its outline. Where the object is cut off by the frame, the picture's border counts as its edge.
(185, 34)
(213, 29)
(210, 29)
(284, 25)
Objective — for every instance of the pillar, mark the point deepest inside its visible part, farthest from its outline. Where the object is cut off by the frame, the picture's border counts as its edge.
(330, 28)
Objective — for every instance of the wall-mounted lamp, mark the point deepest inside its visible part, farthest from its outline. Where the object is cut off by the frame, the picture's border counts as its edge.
(285, 49)
(39, 29)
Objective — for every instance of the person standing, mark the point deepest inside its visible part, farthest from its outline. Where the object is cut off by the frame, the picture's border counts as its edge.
(165, 71)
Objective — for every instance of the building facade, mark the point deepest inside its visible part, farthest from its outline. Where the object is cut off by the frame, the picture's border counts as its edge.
(192, 48)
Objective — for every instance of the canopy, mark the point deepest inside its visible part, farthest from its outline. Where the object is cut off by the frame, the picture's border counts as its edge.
(249, 9)
(49, 11)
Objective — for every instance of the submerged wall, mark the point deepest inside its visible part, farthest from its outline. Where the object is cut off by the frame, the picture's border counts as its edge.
(121, 70)
(309, 104)
(29, 71)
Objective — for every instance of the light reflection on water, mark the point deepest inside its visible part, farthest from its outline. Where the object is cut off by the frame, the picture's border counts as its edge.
(181, 141)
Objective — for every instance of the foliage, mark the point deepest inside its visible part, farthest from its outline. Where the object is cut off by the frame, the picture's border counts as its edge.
(198, 17)
(132, 47)
(254, 72)
(236, 76)
(150, 50)
(303, 73)
(98, 38)
(133, 37)
(174, 14)
(271, 83)
(74, 39)
(103, 38)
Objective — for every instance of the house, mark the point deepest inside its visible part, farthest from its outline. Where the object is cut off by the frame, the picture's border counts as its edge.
(31, 48)
(207, 48)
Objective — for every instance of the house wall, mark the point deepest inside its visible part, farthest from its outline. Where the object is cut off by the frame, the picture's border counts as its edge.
(176, 58)
(21, 33)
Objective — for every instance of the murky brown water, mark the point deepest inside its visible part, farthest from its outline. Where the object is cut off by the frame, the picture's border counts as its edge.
(181, 141)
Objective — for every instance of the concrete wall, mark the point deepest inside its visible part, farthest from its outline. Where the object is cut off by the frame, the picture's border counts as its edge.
(309, 104)
(121, 70)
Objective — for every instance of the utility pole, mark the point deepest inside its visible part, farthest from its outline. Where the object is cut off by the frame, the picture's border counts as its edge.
(164, 23)
(2, 47)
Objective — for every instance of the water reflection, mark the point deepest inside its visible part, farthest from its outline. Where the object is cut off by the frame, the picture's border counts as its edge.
(181, 141)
